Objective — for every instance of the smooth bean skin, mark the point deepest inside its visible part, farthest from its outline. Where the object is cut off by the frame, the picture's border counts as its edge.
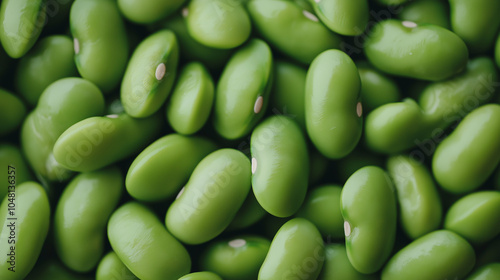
(426, 11)
(192, 99)
(280, 165)
(322, 208)
(208, 22)
(382, 134)
(338, 267)
(292, 30)
(145, 246)
(476, 23)
(174, 157)
(204, 275)
(150, 74)
(333, 13)
(487, 272)
(192, 50)
(332, 104)
(305, 259)
(419, 201)
(211, 198)
(11, 155)
(239, 258)
(437, 255)
(12, 112)
(289, 91)
(112, 268)
(62, 104)
(377, 88)
(475, 216)
(81, 216)
(101, 45)
(32, 211)
(250, 213)
(50, 60)
(149, 11)
(243, 89)
(368, 205)
(21, 24)
(97, 142)
(469, 155)
(395, 127)
(408, 49)
(448, 101)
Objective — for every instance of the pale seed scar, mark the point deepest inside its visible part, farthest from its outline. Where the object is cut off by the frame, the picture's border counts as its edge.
(76, 45)
(180, 193)
(347, 228)
(257, 107)
(310, 16)
(160, 71)
(409, 24)
(254, 165)
(237, 243)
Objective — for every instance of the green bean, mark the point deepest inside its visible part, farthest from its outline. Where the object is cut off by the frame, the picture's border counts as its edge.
(25, 235)
(208, 22)
(467, 157)
(21, 24)
(238, 258)
(211, 198)
(243, 90)
(81, 216)
(145, 246)
(50, 60)
(12, 112)
(100, 41)
(150, 74)
(291, 29)
(408, 49)
(368, 205)
(303, 260)
(97, 142)
(62, 104)
(332, 104)
(174, 157)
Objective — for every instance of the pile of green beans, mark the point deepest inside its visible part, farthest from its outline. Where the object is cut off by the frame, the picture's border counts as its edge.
(250, 139)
